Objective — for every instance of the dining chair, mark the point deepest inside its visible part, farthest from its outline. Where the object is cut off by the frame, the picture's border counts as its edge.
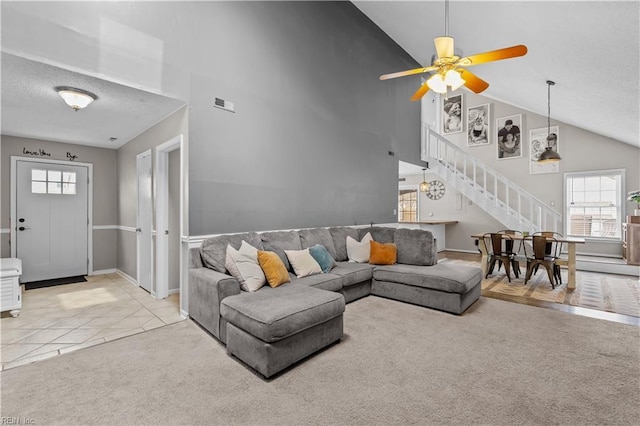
(546, 251)
(551, 249)
(495, 245)
(515, 248)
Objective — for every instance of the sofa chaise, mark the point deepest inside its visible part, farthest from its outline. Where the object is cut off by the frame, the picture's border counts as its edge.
(272, 328)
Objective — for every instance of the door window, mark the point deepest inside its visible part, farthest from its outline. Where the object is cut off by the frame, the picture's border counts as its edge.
(53, 182)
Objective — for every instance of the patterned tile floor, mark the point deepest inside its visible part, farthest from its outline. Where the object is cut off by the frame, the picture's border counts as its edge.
(60, 319)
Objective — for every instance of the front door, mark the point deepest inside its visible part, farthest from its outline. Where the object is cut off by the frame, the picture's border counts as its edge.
(52, 220)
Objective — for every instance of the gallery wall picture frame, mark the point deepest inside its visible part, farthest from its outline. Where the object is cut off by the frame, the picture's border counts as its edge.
(478, 125)
(538, 138)
(509, 140)
(452, 108)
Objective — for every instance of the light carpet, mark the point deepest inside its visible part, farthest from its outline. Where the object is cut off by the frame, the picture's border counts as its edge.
(499, 363)
(604, 292)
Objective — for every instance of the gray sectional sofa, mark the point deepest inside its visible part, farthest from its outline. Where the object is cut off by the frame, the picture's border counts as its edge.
(273, 328)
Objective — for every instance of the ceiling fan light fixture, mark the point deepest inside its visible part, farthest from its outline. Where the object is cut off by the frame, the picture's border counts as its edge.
(76, 98)
(453, 79)
(437, 84)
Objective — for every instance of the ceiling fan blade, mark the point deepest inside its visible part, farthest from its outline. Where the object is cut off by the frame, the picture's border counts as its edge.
(420, 92)
(444, 46)
(473, 82)
(405, 73)
(494, 55)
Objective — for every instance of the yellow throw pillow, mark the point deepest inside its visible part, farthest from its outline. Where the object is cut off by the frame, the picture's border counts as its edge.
(273, 268)
(383, 254)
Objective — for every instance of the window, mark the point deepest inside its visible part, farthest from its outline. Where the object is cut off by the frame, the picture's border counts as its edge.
(53, 182)
(408, 205)
(593, 204)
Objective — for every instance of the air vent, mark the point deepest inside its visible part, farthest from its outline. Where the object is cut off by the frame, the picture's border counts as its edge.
(113, 139)
(225, 105)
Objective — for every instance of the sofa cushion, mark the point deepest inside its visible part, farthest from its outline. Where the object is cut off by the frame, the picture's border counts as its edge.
(273, 268)
(358, 251)
(383, 253)
(353, 273)
(339, 236)
(415, 247)
(322, 236)
(279, 241)
(443, 277)
(379, 233)
(214, 250)
(329, 282)
(303, 263)
(322, 256)
(272, 314)
(243, 265)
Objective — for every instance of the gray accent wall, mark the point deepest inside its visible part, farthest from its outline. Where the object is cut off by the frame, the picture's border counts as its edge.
(309, 142)
(104, 191)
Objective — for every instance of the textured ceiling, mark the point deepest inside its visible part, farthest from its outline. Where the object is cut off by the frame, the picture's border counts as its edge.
(589, 48)
(32, 108)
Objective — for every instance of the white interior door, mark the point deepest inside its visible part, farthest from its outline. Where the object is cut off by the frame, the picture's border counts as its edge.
(51, 220)
(145, 219)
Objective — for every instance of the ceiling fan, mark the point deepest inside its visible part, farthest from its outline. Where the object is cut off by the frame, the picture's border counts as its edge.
(448, 67)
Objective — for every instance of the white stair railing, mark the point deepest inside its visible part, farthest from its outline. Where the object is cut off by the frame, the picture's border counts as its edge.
(508, 203)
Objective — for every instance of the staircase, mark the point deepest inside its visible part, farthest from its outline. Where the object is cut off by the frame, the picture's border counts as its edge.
(494, 193)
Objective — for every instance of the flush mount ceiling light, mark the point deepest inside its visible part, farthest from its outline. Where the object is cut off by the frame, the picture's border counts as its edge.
(76, 98)
(549, 155)
(424, 186)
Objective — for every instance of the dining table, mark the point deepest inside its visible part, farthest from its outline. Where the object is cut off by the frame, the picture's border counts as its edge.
(569, 262)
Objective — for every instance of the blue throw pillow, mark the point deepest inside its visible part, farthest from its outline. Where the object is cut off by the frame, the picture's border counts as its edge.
(322, 256)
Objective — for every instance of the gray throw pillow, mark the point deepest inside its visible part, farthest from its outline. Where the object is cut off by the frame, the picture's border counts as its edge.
(415, 247)
(214, 250)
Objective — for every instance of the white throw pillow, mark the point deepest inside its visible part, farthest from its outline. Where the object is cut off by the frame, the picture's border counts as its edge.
(243, 265)
(303, 263)
(359, 251)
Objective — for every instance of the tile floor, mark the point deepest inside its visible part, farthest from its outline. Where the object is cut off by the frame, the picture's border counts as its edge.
(60, 319)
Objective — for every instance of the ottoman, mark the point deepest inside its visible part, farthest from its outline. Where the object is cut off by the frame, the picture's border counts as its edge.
(446, 287)
(273, 328)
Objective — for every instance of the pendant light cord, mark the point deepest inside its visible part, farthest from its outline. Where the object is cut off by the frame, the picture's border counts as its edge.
(548, 108)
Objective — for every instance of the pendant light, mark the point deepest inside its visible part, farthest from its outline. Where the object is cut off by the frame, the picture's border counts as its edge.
(549, 155)
(424, 186)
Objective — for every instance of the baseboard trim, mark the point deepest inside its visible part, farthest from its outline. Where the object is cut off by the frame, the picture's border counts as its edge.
(127, 277)
(462, 251)
(174, 291)
(104, 272)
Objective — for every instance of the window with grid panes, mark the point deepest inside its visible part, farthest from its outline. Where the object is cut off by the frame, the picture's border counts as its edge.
(408, 205)
(593, 204)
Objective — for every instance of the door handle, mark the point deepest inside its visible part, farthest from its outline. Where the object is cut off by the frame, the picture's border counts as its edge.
(138, 229)
(22, 228)
(166, 232)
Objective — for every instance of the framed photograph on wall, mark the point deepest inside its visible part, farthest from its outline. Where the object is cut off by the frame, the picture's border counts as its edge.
(538, 138)
(509, 136)
(478, 125)
(452, 114)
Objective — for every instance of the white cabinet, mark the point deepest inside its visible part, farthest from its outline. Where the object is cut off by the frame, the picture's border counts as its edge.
(10, 290)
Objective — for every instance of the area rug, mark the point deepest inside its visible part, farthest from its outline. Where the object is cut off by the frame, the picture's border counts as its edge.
(500, 363)
(605, 292)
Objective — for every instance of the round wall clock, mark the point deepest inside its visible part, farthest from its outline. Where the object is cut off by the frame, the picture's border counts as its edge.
(436, 190)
